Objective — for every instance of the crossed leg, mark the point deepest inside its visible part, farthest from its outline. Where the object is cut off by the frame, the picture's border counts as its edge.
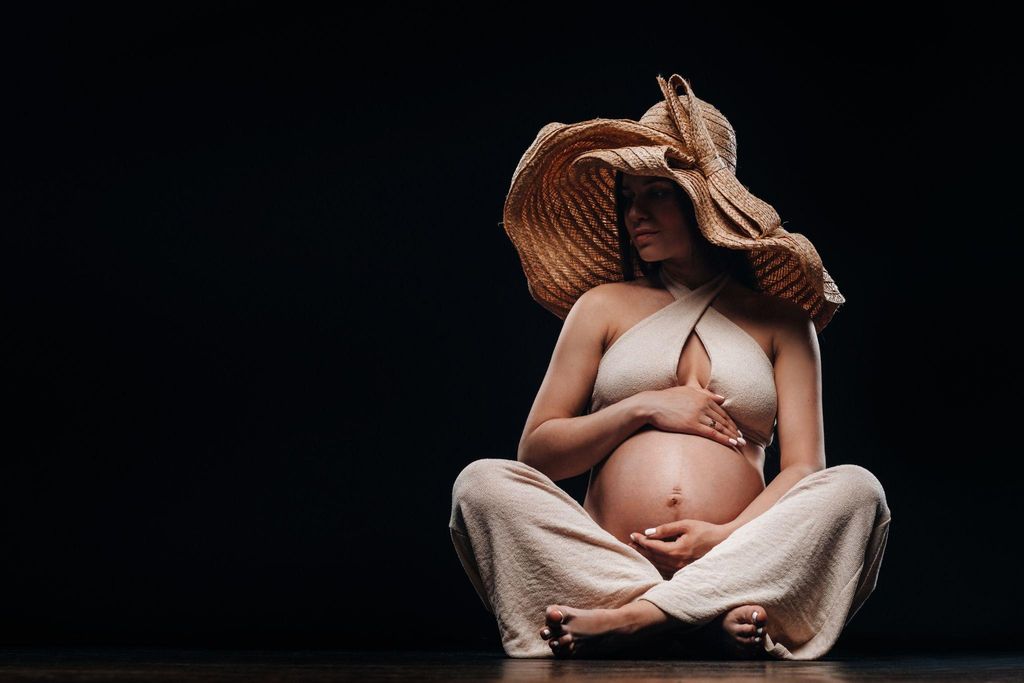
(642, 629)
(533, 553)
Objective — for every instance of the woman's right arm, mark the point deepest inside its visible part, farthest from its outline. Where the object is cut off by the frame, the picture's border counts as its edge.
(557, 439)
(564, 447)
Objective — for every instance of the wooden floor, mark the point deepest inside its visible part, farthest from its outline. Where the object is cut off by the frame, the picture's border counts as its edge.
(36, 664)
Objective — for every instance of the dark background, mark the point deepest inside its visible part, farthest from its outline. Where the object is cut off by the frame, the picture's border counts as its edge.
(258, 310)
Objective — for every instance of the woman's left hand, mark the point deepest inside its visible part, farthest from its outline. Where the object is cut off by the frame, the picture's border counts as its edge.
(695, 539)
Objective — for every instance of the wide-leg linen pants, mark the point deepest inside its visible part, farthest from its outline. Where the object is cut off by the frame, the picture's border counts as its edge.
(811, 560)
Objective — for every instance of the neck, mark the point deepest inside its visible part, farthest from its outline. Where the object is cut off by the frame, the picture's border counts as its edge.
(691, 274)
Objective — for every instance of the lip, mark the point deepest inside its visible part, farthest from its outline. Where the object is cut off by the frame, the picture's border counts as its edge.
(645, 235)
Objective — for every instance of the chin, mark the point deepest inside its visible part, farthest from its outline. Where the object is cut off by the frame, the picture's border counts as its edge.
(651, 255)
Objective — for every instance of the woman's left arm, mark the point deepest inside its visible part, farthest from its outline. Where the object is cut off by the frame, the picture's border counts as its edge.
(800, 429)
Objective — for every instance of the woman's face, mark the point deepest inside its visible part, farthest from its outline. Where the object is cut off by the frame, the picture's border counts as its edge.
(658, 225)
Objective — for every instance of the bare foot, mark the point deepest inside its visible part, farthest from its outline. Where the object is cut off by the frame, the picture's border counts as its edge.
(739, 633)
(574, 632)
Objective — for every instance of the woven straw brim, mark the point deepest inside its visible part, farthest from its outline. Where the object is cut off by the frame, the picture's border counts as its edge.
(560, 214)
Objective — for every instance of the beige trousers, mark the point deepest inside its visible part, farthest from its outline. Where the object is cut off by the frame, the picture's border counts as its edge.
(811, 560)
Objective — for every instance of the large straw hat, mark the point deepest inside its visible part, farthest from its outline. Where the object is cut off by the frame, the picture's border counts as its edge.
(560, 212)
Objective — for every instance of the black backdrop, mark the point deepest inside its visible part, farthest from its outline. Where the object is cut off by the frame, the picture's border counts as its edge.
(259, 312)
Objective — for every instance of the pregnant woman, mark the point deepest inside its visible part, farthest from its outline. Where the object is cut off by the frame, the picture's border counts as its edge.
(668, 387)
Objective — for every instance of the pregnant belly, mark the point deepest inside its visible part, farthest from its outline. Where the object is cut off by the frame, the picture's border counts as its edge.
(655, 477)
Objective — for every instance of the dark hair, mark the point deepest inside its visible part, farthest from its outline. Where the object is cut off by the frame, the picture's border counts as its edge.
(733, 260)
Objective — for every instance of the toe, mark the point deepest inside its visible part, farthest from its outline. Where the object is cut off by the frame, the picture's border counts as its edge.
(553, 626)
(744, 639)
(742, 623)
(562, 645)
(759, 620)
(555, 615)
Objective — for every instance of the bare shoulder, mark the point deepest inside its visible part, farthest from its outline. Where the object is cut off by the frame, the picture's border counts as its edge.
(610, 303)
(626, 289)
(790, 323)
(621, 296)
(621, 292)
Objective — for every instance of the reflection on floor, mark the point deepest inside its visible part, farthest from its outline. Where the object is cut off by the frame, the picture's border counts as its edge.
(96, 664)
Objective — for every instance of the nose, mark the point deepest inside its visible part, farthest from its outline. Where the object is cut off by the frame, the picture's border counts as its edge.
(635, 212)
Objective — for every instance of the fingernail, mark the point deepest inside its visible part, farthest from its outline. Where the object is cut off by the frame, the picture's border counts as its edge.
(547, 633)
(760, 630)
(743, 441)
(632, 537)
(739, 431)
(650, 531)
(758, 639)
(755, 615)
(733, 441)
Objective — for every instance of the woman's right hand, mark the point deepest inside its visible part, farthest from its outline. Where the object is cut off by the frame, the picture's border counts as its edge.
(689, 410)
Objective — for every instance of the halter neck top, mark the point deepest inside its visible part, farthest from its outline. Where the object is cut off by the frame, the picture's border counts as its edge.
(646, 357)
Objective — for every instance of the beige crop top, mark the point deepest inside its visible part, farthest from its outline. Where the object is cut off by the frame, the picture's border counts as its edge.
(647, 355)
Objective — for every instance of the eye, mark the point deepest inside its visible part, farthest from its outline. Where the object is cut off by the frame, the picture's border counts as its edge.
(655, 192)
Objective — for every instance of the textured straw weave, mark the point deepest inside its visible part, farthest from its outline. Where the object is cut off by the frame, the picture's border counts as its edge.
(560, 211)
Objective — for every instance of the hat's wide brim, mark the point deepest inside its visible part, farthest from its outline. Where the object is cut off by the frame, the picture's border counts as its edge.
(560, 214)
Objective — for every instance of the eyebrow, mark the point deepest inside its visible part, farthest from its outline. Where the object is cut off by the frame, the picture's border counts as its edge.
(647, 181)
